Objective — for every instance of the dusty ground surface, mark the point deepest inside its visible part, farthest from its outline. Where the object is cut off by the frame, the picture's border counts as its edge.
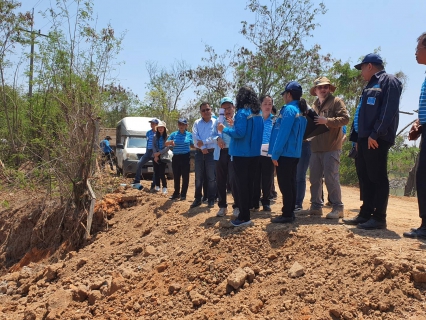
(159, 259)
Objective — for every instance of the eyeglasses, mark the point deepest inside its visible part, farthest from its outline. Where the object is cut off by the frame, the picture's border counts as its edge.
(323, 87)
(421, 47)
(205, 110)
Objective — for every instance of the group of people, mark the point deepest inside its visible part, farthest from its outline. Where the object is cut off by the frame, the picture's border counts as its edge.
(242, 150)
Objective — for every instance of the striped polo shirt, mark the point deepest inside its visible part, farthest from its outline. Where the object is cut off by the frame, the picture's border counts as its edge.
(182, 141)
(267, 129)
(149, 137)
(422, 104)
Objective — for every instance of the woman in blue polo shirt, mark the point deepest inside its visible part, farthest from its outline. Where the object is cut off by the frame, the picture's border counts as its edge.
(245, 145)
(181, 142)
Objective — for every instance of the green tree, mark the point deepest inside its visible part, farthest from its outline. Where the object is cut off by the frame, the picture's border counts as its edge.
(277, 52)
(11, 24)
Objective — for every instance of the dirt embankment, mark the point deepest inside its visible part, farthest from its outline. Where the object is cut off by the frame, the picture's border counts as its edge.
(159, 259)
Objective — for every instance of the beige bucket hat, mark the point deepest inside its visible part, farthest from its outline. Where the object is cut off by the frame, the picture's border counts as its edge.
(320, 82)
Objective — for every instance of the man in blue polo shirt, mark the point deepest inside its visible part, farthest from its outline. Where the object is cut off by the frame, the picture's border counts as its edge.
(224, 167)
(420, 232)
(148, 154)
(204, 141)
(374, 130)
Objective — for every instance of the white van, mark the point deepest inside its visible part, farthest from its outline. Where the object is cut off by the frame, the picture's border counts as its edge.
(131, 146)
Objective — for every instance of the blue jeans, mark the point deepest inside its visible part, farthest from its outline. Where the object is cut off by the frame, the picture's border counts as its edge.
(207, 163)
(143, 160)
(302, 168)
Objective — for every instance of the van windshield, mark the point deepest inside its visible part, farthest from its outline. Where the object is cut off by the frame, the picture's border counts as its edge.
(136, 142)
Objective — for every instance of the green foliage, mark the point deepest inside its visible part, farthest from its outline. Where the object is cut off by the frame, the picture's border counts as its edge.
(277, 38)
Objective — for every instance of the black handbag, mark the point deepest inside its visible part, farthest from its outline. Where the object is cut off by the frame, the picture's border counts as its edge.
(353, 153)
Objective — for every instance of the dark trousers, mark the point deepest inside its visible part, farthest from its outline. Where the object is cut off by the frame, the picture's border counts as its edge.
(160, 173)
(286, 176)
(205, 162)
(263, 179)
(106, 157)
(421, 178)
(180, 167)
(244, 182)
(224, 173)
(372, 165)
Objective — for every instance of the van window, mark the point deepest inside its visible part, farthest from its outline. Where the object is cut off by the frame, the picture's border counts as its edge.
(136, 142)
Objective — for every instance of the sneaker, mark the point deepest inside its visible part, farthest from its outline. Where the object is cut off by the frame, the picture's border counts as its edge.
(157, 188)
(419, 233)
(372, 224)
(182, 198)
(236, 212)
(313, 211)
(241, 223)
(355, 221)
(297, 208)
(222, 212)
(211, 203)
(164, 191)
(204, 200)
(335, 214)
(196, 203)
(174, 197)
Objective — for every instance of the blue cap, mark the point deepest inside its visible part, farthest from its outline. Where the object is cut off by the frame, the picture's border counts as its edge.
(226, 99)
(292, 86)
(370, 58)
(183, 120)
(154, 121)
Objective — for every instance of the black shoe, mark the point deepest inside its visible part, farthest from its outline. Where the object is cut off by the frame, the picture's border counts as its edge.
(211, 203)
(267, 208)
(182, 198)
(416, 234)
(372, 224)
(282, 219)
(196, 203)
(204, 200)
(354, 221)
(174, 197)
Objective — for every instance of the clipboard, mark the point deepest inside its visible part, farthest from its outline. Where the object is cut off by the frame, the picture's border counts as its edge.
(312, 129)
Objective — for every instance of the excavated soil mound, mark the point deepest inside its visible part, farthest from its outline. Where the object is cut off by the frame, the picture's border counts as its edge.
(159, 259)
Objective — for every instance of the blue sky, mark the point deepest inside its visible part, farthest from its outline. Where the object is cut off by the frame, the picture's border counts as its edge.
(163, 31)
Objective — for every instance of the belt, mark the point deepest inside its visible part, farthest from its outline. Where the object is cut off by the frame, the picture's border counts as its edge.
(224, 149)
(209, 150)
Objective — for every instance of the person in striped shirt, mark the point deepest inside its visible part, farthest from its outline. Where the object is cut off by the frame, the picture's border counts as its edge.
(181, 142)
(421, 169)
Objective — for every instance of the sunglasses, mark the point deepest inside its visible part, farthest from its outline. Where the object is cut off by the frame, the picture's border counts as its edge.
(205, 110)
(323, 87)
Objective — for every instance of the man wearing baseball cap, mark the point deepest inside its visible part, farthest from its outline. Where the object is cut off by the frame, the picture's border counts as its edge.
(148, 154)
(106, 153)
(326, 148)
(224, 168)
(374, 131)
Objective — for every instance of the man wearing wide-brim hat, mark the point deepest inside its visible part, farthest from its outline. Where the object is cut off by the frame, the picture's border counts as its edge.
(326, 148)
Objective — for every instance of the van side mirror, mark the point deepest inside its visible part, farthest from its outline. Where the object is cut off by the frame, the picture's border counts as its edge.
(120, 146)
